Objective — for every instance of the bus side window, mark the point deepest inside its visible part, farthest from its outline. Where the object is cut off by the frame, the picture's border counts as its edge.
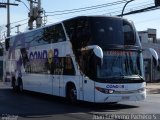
(36, 38)
(54, 34)
(87, 63)
(68, 67)
(129, 38)
(61, 66)
(57, 34)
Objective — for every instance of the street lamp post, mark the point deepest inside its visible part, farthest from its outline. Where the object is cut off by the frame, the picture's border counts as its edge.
(8, 18)
(23, 3)
(125, 6)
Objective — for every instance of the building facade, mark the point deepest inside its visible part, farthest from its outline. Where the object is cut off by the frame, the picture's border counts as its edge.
(149, 39)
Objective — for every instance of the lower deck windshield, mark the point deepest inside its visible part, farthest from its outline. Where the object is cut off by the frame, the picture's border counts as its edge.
(120, 63)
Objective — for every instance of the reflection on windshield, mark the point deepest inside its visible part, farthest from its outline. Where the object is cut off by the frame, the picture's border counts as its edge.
(112, 32)
(120, 63)
(101, 31)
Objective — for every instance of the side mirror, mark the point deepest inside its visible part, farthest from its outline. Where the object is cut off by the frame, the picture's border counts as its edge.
(97, 51)
(154, 55)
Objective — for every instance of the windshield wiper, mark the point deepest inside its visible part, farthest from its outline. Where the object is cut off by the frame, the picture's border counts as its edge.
(140, 76)
(124, 79)
(133, 77)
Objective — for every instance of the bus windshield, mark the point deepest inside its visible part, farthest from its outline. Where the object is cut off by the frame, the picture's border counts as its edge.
(112, 32)
(115, 36)
(101, 31)
(120, 63)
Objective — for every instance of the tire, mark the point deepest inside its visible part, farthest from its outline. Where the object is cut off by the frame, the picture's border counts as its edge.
(72, 94)
(20, 85)
(113, 103)
(14, 87)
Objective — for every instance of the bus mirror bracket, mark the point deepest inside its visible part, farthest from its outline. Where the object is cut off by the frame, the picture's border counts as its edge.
(154, 55)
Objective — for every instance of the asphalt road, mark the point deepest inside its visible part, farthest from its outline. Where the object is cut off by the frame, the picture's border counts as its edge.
(42, 107)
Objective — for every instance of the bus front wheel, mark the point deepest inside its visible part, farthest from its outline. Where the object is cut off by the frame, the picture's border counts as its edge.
(71, 93)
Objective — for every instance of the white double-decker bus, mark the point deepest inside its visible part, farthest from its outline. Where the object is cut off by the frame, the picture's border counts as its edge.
(89, 58)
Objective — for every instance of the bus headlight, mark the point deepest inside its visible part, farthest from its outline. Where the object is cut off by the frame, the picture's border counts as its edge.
(110, 91)
(104, 90)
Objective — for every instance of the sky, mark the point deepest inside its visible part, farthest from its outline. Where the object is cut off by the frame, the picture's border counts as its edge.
(142, 21)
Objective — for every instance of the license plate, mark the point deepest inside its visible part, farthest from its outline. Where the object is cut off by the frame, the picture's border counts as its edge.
(125, 97)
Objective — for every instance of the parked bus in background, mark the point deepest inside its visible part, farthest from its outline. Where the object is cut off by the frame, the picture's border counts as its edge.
(89, 58)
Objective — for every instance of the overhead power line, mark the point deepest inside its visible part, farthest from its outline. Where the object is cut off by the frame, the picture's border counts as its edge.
(85, 8)
(117, 11)
(132, 7)
(15, 22)
(141, 10)
(14, 27)
(64, 12)
(19, 21)
(1, 3)
(54, 13)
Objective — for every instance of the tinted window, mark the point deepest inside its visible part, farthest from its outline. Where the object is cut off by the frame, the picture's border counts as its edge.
(57, 66)
(36, 38)
(102, 31)
(36, 66)
(54, 33)
(128, 34)
(120, 63)
(62, 66)
(106, 31)
(78, 31)
(112, 31)
(51, 34)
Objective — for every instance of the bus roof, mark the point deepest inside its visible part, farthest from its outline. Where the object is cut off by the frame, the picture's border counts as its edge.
(69, 19)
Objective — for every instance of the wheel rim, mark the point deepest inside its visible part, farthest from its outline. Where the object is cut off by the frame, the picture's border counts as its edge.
(73, 94)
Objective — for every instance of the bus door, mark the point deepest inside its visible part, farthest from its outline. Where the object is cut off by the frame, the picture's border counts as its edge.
(55, 84)
(57, 76)
(88, 89)
(86, 66)
(54, 67)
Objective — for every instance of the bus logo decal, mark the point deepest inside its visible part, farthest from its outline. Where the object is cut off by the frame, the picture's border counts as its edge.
(38, 55)
(115, 86)
(50, 56)
(44, 55)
